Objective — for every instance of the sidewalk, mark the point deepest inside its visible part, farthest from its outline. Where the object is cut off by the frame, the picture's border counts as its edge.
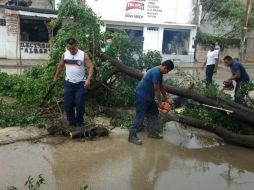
(8, 63)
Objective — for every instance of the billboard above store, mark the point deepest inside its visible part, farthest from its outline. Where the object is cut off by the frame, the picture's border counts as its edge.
(146, 11)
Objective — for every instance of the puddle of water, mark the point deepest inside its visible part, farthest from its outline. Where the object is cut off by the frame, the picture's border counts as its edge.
(20, 160)
(184, 159)
(190, 137)
(113, 163)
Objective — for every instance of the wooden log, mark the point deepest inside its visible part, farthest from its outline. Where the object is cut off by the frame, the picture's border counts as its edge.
(228, 136)
(77, 134)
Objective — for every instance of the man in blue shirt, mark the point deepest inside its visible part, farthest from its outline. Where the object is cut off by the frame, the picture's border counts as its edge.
(240, 76)
(148, 88)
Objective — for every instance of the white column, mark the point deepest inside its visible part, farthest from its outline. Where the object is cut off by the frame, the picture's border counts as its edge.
(160, 41)
(103, 27)
(57, 2)
(145, 39)
(193, 33)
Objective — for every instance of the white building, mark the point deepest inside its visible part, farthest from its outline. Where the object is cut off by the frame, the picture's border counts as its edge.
(24, 31)
(168, 26)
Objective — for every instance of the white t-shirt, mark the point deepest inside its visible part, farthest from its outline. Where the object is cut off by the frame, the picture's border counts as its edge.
(211, 56)
(217, 47)
(75, 67)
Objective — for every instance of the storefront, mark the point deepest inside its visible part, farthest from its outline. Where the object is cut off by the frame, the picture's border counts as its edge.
(166, 26)
(134, 32)
(25, 33)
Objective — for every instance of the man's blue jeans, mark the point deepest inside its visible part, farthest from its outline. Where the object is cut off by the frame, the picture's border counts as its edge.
(148, 109)
(240, 91)
(209, 74)
(74, 97)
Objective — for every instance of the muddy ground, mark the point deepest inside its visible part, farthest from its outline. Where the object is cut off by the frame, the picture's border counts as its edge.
(184, 159)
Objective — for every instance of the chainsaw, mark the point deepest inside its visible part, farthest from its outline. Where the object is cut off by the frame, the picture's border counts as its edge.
(228, 85)
(165, 107)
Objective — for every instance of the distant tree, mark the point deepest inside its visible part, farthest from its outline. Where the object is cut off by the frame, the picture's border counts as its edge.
(226, 14)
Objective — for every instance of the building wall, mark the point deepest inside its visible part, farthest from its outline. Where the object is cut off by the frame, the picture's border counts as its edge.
(9, 35)
(201, 52)
(232, 51)
(43, 4)
(154, 16)
(11, 45)
(146, 11)
(3, 33)
(153, 38)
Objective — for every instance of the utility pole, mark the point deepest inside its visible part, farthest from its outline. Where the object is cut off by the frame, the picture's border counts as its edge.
(245, 28)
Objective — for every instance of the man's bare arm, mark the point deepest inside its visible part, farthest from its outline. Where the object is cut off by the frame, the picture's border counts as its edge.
(216, 65)
(157, 91)
(237, 75)
(90, 70)
(59, 69)
(163, 92)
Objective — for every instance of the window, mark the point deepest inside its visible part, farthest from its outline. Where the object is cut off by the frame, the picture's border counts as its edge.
(2, 22)
(134, 33)
(33, 30)
(175, 42)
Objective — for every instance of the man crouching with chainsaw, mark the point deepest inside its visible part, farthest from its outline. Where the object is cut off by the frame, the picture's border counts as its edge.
(76, 83)
(240, 76)
(148, 88)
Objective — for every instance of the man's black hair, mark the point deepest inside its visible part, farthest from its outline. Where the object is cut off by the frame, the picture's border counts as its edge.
(71, 41)
(169, 64)
(229, 58)
(213, 44)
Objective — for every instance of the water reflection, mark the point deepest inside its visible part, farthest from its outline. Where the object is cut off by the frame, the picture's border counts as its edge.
(189, 137)
(113, 163)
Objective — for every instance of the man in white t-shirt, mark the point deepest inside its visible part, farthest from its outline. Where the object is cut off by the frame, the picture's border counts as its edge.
(217, 48)
(211, 64)
(76, 84)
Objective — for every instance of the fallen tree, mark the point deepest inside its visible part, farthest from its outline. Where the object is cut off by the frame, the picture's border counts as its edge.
(239, 112)
(225, 134)
(109, 84)
(228, 136)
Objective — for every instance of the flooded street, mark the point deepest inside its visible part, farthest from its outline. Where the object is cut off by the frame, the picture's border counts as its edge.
(186, 161)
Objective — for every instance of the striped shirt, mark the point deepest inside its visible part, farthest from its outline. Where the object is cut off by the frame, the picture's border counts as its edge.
(75, 67)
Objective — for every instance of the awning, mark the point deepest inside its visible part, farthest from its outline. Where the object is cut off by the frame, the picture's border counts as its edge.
(33, 14)
(29, 14)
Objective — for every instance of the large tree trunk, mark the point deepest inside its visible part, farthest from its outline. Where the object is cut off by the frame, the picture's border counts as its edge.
(228, 136)
(240, 112)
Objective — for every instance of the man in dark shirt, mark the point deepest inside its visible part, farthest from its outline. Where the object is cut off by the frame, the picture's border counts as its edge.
(148, 88)
(240, 76)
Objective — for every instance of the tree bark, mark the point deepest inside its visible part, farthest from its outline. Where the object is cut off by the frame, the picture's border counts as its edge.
(228, 136)
(103, 82)
(240, 112)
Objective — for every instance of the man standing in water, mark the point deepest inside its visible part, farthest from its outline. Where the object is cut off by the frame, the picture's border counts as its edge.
(240, 76)
(211, 64)
(148, 88)
(75, 84)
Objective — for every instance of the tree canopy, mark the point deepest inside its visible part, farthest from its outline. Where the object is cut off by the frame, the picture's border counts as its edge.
(226, 15)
